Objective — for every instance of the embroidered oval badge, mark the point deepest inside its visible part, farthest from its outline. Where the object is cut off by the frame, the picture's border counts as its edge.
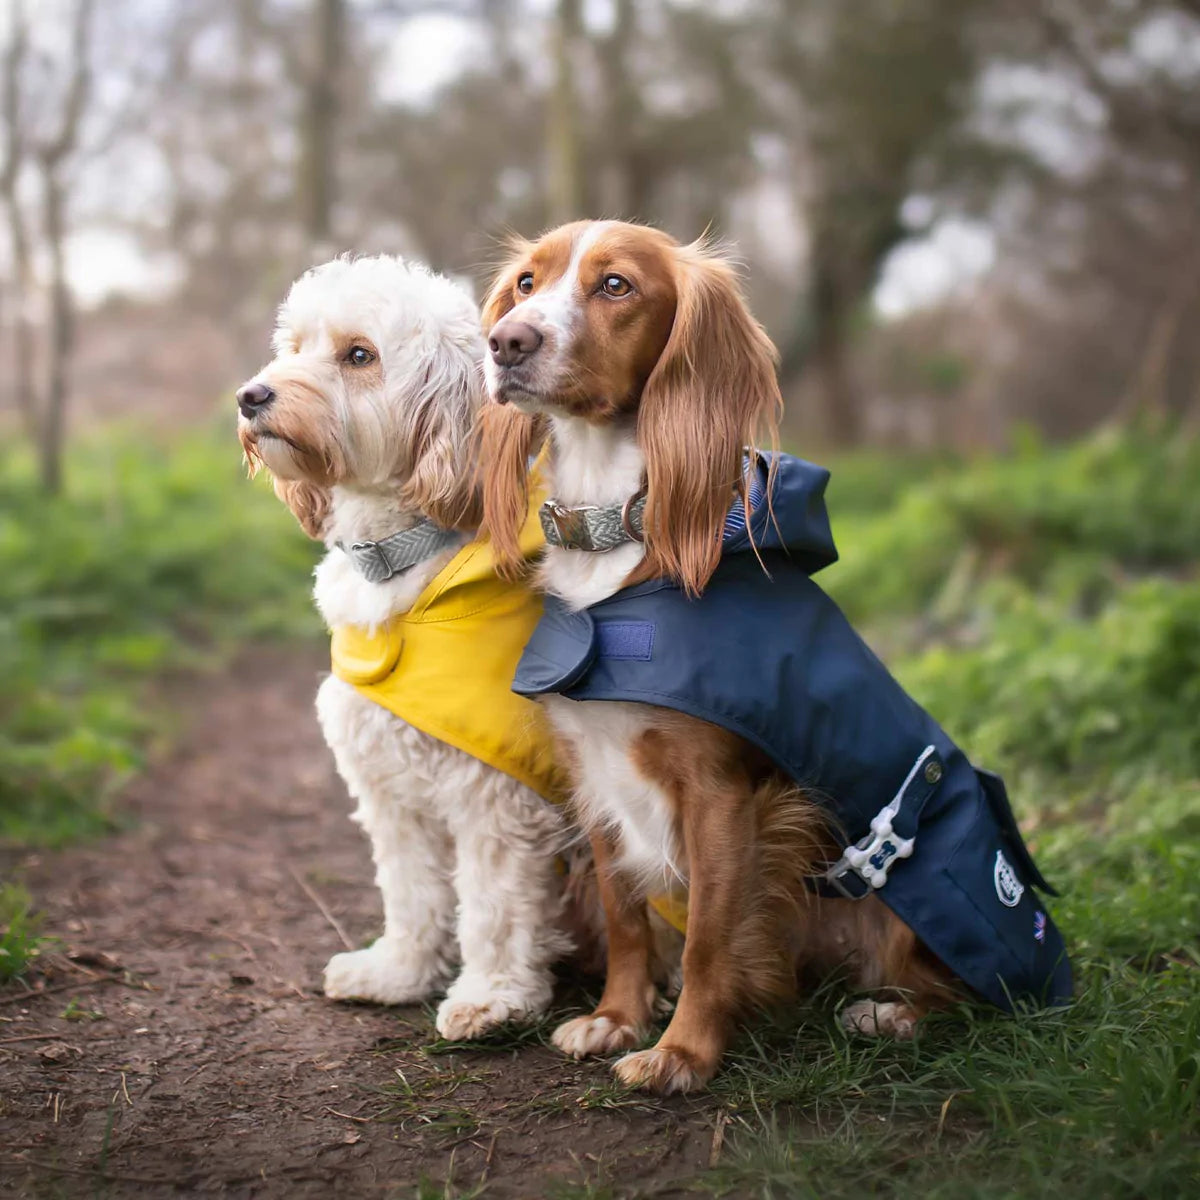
(1008, 887)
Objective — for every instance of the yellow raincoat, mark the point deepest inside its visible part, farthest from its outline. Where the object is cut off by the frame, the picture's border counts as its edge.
(446, 666)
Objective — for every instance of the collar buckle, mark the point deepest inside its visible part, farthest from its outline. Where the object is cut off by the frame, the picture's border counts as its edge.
(380, 573)
(570, 527)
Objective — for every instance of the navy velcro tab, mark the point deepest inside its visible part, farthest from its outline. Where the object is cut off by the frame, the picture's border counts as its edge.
(625, 639)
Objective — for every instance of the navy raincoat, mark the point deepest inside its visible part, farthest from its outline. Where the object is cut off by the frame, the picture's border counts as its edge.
(769, 656)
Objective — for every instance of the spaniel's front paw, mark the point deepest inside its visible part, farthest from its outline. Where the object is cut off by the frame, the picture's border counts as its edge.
(382, 974)
(598, 1034)
(664, 1070)
(880, 1020)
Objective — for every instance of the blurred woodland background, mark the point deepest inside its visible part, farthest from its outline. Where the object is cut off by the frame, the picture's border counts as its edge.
(973, 229)
(954, 216)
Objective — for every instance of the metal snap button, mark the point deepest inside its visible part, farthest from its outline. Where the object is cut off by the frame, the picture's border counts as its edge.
(933, 771)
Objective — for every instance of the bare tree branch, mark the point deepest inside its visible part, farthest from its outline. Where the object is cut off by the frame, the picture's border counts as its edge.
(10, 100)
(414, 8)
(322, 101)
(1134, 113)
(56, 147)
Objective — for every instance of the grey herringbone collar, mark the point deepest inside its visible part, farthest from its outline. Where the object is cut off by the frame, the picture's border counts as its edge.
(379, 561)
(591, 526)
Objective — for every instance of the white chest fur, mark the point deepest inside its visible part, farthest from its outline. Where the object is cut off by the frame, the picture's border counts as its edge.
(612, 793)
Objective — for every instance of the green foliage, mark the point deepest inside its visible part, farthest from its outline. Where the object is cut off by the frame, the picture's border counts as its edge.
(20, 941)
(156, 558)
(1075, 523)
(1115, 694)
(870, 483)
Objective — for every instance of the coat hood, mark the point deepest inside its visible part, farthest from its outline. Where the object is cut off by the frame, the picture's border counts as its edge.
(794, 519)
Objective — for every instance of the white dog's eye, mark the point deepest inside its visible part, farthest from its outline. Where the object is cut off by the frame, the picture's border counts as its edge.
(616, 285)
(359, 356)
(525, 283)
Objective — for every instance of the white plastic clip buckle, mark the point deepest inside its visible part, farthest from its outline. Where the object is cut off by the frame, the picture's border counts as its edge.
(873, 856)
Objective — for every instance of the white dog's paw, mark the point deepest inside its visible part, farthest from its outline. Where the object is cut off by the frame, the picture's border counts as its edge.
(462, 1020)
(381, 974)
(880, 1020)
(473, 1008)
(596, 1034)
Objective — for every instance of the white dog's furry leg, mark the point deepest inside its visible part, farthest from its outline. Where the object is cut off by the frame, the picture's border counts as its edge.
(510, 901)
(414, 957)
(413, 852)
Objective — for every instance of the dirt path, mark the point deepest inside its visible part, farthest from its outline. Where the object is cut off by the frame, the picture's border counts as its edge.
(198, 1055)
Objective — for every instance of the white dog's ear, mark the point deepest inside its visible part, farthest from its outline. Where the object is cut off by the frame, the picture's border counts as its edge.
(443, 482)
(308, 502)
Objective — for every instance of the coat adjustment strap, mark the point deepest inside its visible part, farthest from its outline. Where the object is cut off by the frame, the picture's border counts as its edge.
(864, 866)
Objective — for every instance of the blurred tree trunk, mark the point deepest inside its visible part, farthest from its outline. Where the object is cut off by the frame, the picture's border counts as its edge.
(318, 159)
(829, 356)
(502, 19)
(564, 190)
(45, 413)
(53, 155)
(61, 335)
(1146, 396)
(630, 198)
(876, 88)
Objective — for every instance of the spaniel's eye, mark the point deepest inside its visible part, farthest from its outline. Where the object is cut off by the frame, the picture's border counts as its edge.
(359, 356)
(616, 285)
(525, 283)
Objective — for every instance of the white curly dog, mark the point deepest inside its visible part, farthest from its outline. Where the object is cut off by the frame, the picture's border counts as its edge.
(366, 419)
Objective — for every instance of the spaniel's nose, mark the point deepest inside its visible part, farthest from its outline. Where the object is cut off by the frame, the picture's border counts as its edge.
(512, 342)
(253, 396)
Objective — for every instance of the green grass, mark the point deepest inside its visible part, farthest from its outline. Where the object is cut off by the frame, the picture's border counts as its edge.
(20, 940)
(1100, 1100)
(157, 558)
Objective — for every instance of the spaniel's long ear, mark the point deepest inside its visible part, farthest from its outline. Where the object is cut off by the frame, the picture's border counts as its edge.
(712, 392)
(508, 438)
(308, 502)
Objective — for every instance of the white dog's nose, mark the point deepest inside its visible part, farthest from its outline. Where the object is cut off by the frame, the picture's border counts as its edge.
(253, 396)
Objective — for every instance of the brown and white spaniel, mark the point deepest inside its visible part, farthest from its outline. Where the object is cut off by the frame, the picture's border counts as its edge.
(638, 358)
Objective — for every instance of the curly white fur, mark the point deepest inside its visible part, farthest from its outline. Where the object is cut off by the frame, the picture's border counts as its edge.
(464, 854)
